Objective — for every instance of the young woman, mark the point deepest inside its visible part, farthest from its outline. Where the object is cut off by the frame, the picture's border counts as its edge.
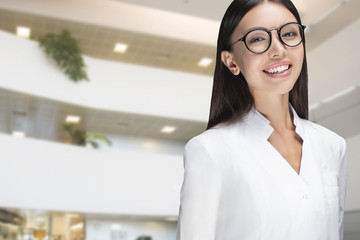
(262, 170)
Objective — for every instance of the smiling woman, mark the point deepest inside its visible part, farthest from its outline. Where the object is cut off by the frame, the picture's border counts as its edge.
(261, 170)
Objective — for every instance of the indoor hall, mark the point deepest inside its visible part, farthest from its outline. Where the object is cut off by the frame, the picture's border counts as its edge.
(149, 66)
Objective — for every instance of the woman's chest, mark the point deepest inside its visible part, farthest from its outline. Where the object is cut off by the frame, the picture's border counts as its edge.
(260, 179)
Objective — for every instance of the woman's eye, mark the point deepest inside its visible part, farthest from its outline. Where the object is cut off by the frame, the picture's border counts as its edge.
(289, 34)
(257, 39)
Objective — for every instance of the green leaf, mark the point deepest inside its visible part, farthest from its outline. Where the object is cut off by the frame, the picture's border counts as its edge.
(65, 51)
(81, 137)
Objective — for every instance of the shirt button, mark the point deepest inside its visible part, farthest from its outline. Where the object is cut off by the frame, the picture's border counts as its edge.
(305, 196)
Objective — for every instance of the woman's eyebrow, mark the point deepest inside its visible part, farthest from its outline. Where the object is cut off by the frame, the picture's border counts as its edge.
(256, 28)
(267, 29)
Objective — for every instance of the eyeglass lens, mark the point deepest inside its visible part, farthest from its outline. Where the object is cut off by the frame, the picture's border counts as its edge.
(259, 41)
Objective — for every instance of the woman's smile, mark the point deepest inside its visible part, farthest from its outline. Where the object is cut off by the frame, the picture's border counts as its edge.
(279, 69)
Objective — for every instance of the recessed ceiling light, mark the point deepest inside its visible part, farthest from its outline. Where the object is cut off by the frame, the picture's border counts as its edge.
(23, 31)
(18, 134)
(116, 227)
(205, 62)
(171, 219)
(168, 129)
(72, 119)
(120, 47)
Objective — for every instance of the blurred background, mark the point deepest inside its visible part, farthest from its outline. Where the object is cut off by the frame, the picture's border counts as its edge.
(102, 159)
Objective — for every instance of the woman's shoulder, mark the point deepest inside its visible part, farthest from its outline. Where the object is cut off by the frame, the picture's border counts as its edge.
(211, 137)
(331, 147)
(323, 134)
(213, 144)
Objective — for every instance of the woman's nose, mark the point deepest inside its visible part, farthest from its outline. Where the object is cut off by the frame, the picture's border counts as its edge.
(277, 48)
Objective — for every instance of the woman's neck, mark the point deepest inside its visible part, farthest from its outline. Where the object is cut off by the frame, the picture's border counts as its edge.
(276, 109)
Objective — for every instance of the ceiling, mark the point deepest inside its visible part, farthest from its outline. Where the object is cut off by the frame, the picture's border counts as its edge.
(166, 52)
(99, 41)
(43, 118)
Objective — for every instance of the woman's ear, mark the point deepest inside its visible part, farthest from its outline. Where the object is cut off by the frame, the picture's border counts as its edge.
(228, 59)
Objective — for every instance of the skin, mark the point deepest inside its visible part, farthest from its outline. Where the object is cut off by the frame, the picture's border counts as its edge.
(271, 94)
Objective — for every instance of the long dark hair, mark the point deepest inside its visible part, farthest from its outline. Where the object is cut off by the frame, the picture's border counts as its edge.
(231, 98)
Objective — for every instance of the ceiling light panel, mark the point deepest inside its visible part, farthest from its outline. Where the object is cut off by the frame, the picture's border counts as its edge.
(18, 134)
(72, 119)
(205, 62)
(23, 31)
(168, 129)
(120, 47)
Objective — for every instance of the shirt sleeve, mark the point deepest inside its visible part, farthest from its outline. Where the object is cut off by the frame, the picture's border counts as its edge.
(342, 188)
(200, 195)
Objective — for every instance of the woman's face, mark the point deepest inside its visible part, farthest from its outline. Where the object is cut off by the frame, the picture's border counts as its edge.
(256, 67)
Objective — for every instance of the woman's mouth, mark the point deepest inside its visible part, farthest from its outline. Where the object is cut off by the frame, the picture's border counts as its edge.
(278, 70)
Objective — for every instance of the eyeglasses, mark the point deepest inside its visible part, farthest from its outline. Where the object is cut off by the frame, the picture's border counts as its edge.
(259, 40)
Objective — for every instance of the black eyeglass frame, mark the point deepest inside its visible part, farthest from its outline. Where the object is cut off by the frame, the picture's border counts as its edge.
(270, 37)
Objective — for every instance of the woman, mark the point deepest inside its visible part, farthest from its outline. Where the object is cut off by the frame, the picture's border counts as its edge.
(261, 170)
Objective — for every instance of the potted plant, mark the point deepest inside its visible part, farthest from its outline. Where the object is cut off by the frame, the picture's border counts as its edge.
(81, 137)
(65, 50)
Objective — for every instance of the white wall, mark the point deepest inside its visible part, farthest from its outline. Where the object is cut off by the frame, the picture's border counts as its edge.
(333, 68)
(353, 192)
(334, 65)
(122, 87)
(38, 174)
(142, 144)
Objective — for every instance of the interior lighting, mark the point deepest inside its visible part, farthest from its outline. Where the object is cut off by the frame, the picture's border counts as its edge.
(120, 47)
(18, 134)
(205, 62)
(23, 31)
(72, 119)
(171, 219)
(168, 129)
(77, 226)
(116, 227)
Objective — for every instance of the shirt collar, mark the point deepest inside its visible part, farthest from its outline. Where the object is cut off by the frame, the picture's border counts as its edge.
(258, 124)
(297, 122)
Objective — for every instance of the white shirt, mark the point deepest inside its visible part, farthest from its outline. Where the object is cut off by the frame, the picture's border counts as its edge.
(237, 186)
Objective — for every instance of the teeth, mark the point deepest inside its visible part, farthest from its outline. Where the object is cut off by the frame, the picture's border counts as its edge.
(279, 69)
